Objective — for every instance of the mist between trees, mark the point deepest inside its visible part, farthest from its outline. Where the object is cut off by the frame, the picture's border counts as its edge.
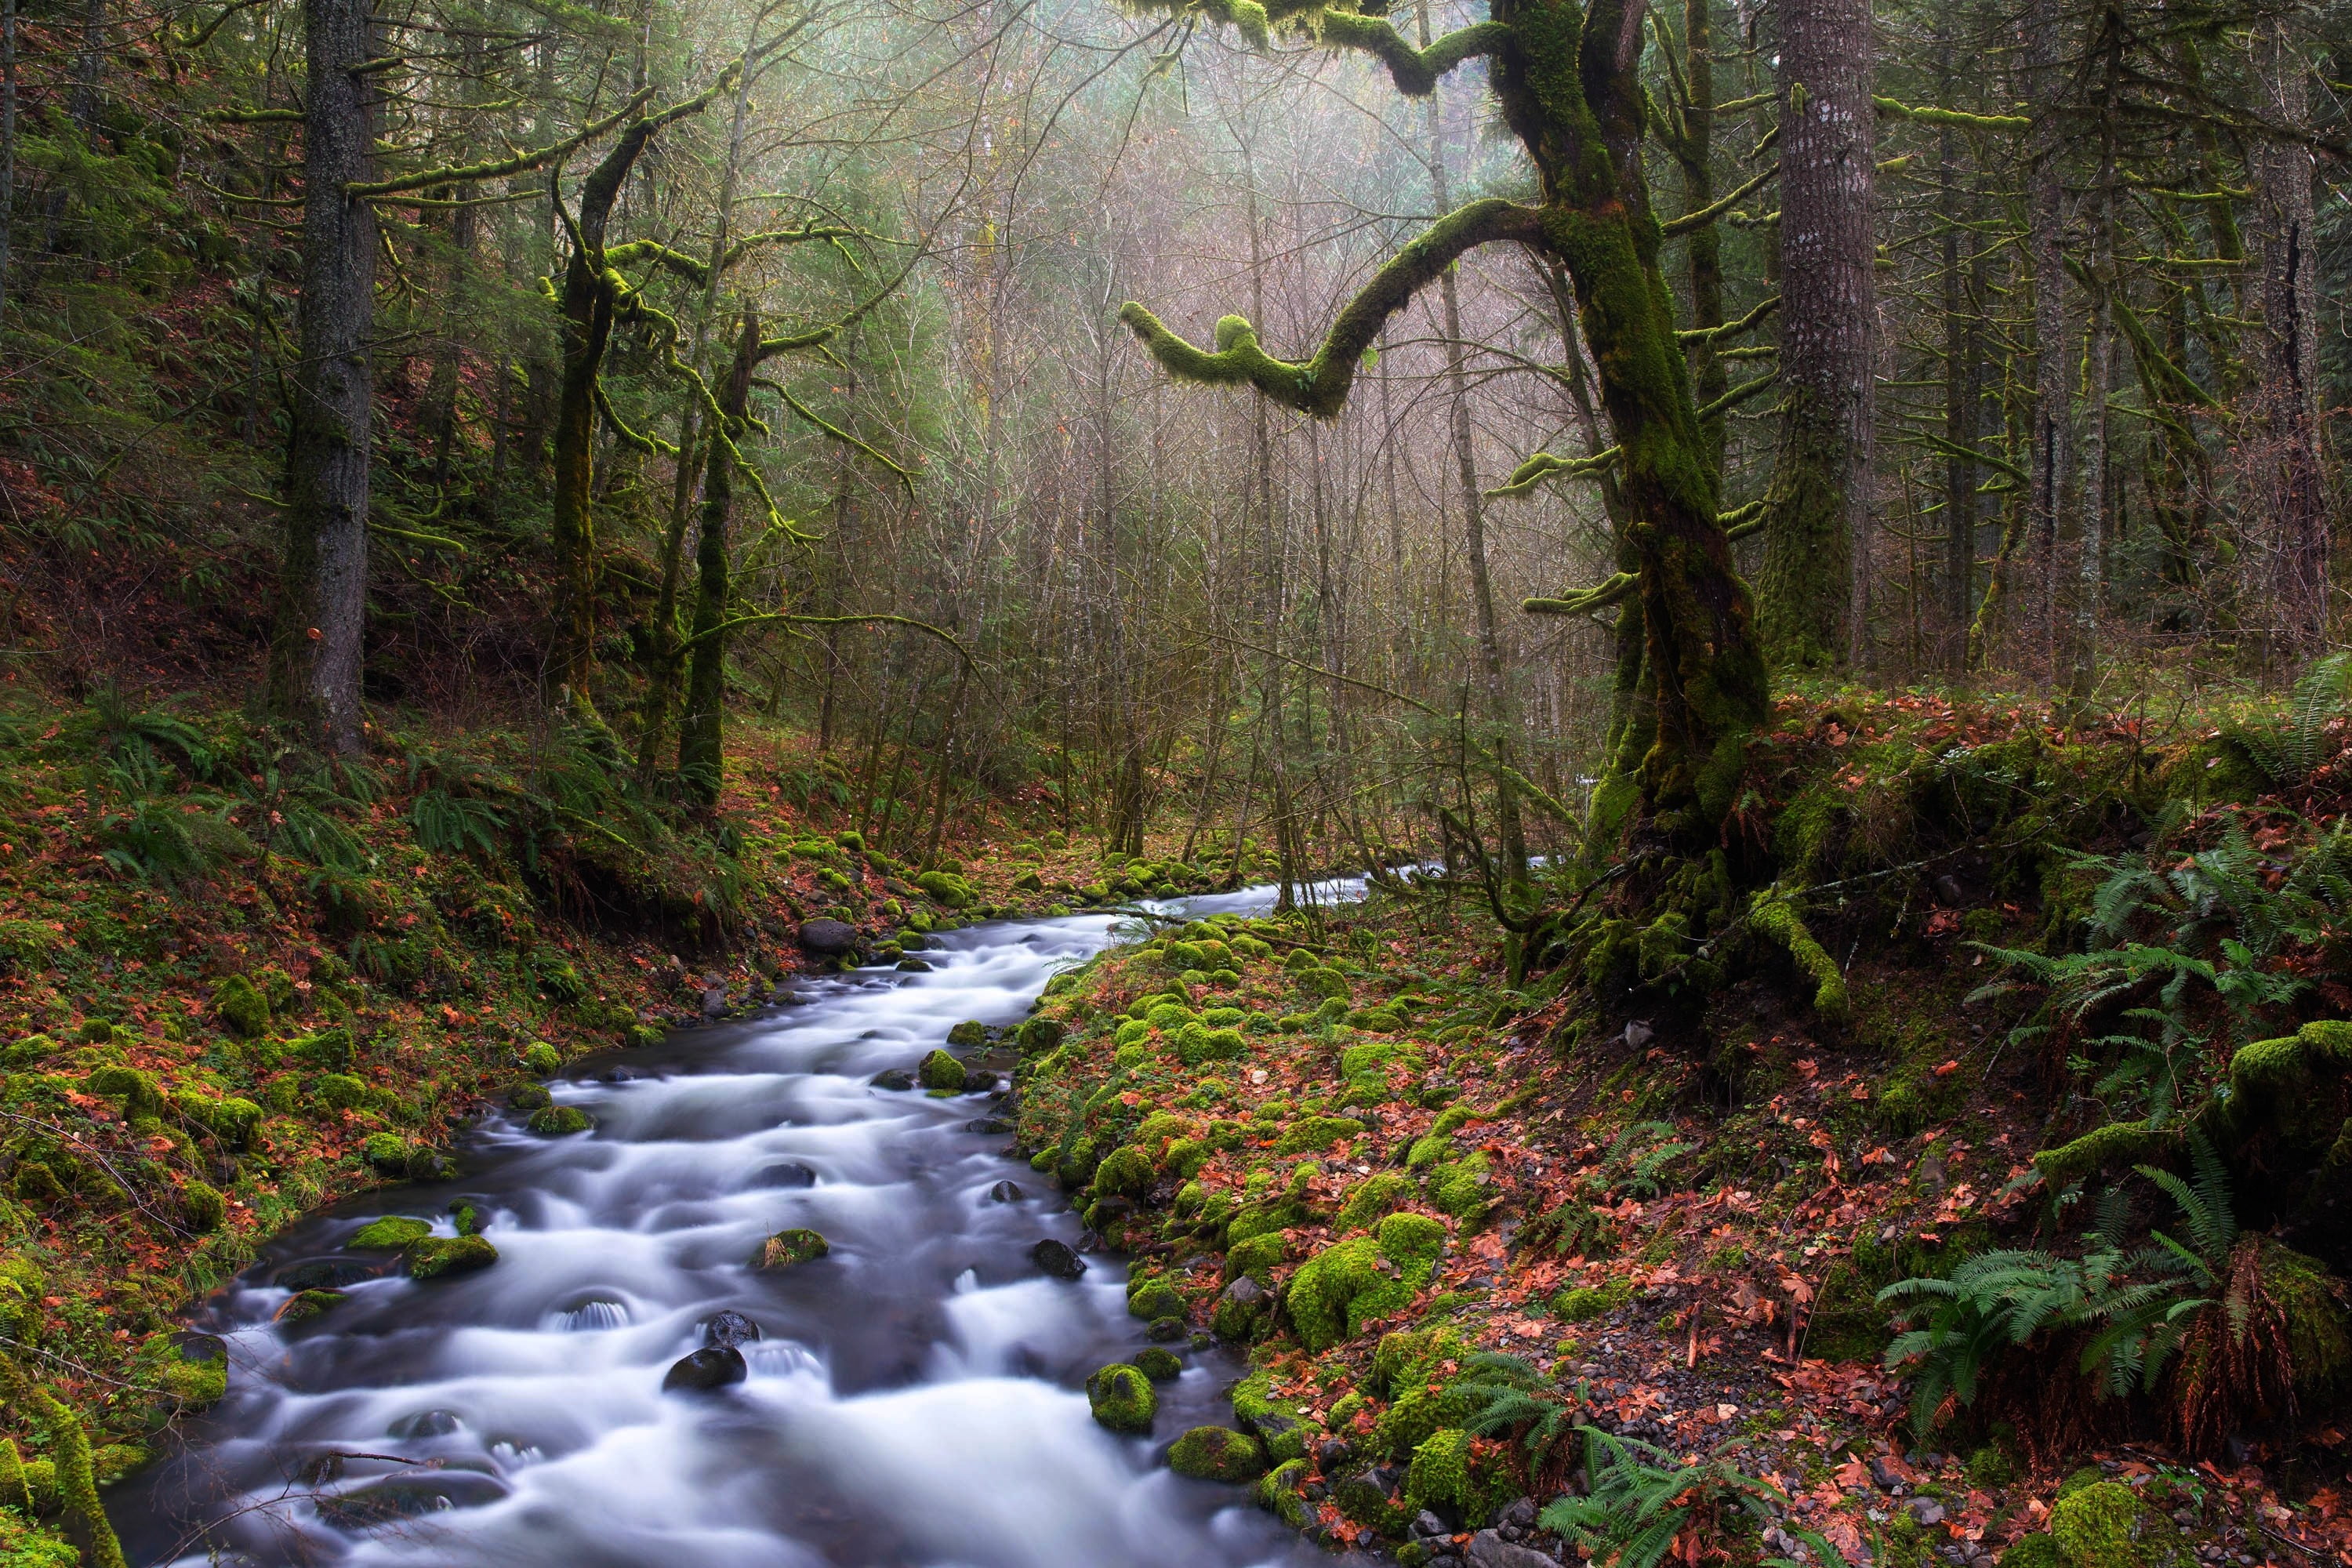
(1327, 430)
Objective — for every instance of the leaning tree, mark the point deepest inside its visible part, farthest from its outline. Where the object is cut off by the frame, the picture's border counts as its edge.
(1566, 78)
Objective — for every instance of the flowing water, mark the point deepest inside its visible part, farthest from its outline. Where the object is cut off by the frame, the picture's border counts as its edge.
(914, 1398)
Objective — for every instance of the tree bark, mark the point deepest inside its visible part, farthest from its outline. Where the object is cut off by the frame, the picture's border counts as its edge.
(2051, 445)
(2287, 346)
(1821, 492)
(702, 735)
(317, 647)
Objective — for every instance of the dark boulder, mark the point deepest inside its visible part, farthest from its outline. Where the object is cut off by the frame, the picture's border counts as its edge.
(892, 1077)
(991, 1126)
(785, 1173)
(707, 1370)
(1057, 1258)
(725, 1331)
(828, 938)
(1005, 1193)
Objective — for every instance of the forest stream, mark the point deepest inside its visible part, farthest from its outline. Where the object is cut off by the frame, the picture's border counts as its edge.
(914, 1398)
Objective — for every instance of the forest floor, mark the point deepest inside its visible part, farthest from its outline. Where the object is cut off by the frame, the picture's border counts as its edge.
(230, 993)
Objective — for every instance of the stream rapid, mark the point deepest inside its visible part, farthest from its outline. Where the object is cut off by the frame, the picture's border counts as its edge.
(914, 1398)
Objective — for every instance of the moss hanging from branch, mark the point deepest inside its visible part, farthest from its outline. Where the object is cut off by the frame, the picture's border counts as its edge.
(1776, 918)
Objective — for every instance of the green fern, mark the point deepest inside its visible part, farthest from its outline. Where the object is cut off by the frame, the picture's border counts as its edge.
(1642, 1496)
(2289, 752)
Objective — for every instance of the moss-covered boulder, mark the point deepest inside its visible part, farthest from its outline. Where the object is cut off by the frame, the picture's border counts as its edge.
(1278, 1425)
(1159, 1364)
(788, 1248)
(391, 1233)
(231, 1119)
(947, 888)
(1448, 1472)
(1122, 1397)
(1153, 1297)
(2106, 1525)
(1339, 1290)
(437, 1256)
(203, 1204)
(560, 1120)
(304, 1305)
(542, 1058)
(941, 1070)
(386, 1154)
(1313, 1134)
(340, 1091)
(1372, 1199)
(240, 1006)
(972, 1032)
(1217, 1453)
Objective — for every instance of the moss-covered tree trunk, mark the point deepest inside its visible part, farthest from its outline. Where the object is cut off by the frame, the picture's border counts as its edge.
(1819, 503)
(316, 646)
(701, 733)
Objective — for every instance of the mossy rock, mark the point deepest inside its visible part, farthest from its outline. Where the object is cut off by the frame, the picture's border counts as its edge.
(1446, 1472)
(1339, 1290)
(560, 1120)
(1159, 1364)
(194, 1384)
(304, 1305)
(1373, 1198)
(1155, 1298)
(1038, 1036)
(240, 1006)
(2106, 1525)
(1256, 1257)
(941, 1070)
(113, 1461)
(204, 1206)
(1125, 1172)
(1197, 1042)
(1586, 1302)
(1433, 1145)
(1327, 983)
(542, 1058)
(232, 1120)
(391, 1233)
(1313, 1134)
(530, 1097)
(1300, 959)
(972, 1032)
(1122, 1398)
(386, 1154)
(2035, 1551)
(946, 888)
(787, 1249)
(1461, 1188)
(1217, 1453)
(435, 1255)
(1281, 1492)
(1274, 1423)
(36, 1182)
(136, 1090)
(340, 1091)
(328, 1050)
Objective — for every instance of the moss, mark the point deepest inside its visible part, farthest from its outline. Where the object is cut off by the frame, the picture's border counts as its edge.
(1159, 1364)
(36, 1182)
(435, 1255)
(972, 1032)
(1372, 1198)
(1151, 1299)
(788, 1248)
(1327, 983)
(1257, 1257)
(204, 1206)
(1279, 1492)
(1339, 1290)
(136, 1090)
(76, 1484)
(946, 888)
(306, 1304)
(195, 1384)
(386, 1154)
(1778, 919)
(391, 1233)
(1197, 1043)
(2035, 1551)
(1460, 1188)
(2097, 1527)
(542, 1058)
(1217, 1453)
(1311, 1135)
(560, 1120)
(240, 1006)
(2119, 1143)
(1447, 1471)
(2318, 1327)
(232, 1120)
(1122, 1398)
(1586, 1302)
(941, 1070)
(1431, 1146)
(340, 1091)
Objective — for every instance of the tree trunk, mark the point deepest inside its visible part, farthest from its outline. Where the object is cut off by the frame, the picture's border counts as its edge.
(7, 142)
(1494, 691)
(2045, 199)
(316, 650)
(2298, 542)
(701, 733)
(1821, 492)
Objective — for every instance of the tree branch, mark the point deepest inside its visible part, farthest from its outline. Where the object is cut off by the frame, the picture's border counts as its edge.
(1319, 386)
(521, 163)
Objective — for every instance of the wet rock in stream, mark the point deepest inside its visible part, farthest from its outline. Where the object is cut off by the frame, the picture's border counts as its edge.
(706, 1371)
(1057, 1258)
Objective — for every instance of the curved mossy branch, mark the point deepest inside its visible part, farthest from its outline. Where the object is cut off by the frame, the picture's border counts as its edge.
(1737, 395)
(774, 617)
(1746, 323)
(634, 440)
(521, 163)
(1416, 72)
(696, 270)
(2165, 375)
(1546, 465)
(1601, 596)
(1716, 209)
(1319, 386)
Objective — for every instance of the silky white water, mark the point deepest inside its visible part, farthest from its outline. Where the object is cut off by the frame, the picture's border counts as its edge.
(914, 1398)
